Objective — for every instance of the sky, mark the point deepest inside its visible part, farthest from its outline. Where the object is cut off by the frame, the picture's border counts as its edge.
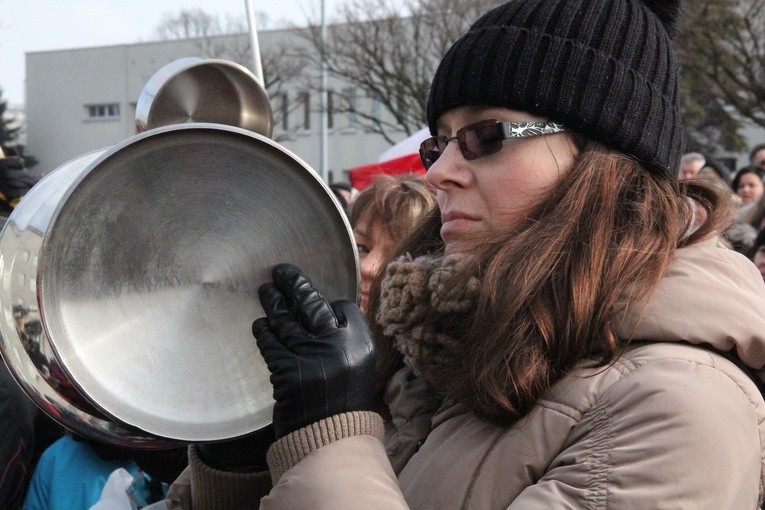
(43, 25)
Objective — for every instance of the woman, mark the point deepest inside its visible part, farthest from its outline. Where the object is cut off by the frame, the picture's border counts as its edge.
(556, 336)
(748, 184)
(381, 216)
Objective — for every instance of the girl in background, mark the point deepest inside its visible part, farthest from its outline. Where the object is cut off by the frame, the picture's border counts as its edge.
(383, 214)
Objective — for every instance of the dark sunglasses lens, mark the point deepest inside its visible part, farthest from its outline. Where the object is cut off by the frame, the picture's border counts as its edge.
(430, 150)
(480, 139)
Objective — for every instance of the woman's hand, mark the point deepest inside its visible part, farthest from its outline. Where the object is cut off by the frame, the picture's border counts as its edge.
(321, 356)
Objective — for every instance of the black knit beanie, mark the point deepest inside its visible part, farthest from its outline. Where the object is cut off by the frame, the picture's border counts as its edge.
(603, 68)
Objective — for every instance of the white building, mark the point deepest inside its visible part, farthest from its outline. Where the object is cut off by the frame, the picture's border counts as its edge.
(80, 100)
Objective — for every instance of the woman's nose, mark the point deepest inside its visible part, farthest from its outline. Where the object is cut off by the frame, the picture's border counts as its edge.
(449, 169)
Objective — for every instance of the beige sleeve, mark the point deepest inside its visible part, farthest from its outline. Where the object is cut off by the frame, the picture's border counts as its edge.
(337, 463)
(351, 473)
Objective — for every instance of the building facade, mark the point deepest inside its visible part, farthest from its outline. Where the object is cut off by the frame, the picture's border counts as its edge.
(81, 100)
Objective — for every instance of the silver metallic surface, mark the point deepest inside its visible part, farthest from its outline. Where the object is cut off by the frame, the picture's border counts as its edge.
(23, 343)
(193, 89)
(145, 260)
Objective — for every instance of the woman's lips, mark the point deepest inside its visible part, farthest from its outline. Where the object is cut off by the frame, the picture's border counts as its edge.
(455, 216)
(452, 223)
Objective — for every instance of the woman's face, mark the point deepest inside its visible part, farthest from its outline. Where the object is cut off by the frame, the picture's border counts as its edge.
(759, 260)
(749, 187)
(374, 248)
(493, 193)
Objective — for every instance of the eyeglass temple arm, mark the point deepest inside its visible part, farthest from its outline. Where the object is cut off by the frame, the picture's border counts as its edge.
(526, 129)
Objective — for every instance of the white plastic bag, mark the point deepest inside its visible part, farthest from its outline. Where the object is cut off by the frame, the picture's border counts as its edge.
(114, 494)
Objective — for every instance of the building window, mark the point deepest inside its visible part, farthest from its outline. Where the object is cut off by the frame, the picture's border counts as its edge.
(285, 112)
(306, 100)
(102, 111)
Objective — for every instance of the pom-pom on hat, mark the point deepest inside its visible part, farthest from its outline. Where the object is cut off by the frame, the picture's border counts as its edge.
(603, 68)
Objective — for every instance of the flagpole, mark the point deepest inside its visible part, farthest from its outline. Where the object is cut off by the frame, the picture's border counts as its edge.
(324, 145)
(257, 67)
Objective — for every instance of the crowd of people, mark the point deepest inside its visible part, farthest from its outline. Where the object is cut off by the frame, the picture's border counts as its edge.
(745, 186)
(563, 312)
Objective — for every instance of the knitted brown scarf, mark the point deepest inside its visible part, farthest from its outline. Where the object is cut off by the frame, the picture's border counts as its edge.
(424, 309)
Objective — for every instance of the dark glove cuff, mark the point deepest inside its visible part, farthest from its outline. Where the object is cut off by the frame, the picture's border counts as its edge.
(292, 448)
(212, 488)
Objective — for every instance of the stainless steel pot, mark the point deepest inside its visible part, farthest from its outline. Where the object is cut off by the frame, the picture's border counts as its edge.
(193, 89)
(129, 277)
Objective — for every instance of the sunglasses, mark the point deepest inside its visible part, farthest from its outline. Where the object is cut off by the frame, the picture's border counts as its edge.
(484, 138)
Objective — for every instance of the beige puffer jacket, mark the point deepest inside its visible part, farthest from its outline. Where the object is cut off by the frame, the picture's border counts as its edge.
(672, 424)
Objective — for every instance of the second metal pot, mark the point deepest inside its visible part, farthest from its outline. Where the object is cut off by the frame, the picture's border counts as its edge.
(193, 89)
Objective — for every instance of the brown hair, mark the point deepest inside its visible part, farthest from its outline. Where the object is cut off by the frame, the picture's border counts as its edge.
(551, 285)
(397, 201)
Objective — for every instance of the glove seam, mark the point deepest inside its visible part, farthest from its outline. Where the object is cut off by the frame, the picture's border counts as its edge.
(286, 452)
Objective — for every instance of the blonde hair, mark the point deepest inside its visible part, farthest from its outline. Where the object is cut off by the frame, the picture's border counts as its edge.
(397, 202)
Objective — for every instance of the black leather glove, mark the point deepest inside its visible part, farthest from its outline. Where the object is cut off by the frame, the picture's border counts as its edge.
(321, 357)
(242, 455)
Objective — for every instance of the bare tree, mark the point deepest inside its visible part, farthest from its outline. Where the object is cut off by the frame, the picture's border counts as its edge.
(710, 126)
(205, 29)
(722, 51)
(215, 39)
(389, 53)
(188, 24)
